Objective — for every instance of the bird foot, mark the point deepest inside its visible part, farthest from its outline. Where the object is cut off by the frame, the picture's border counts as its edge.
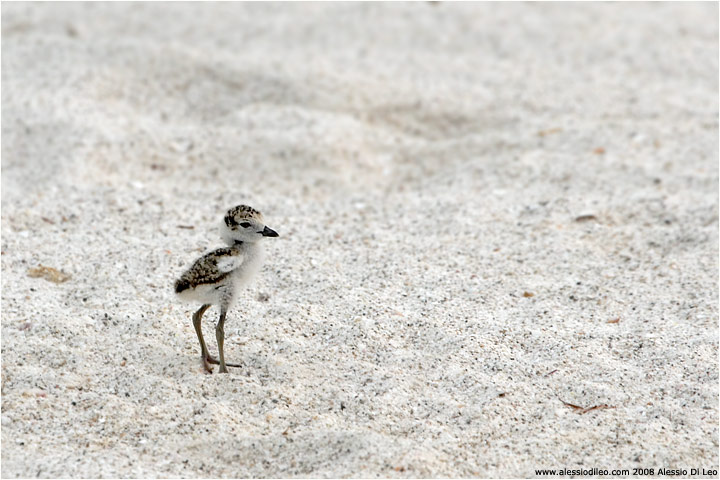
(212, 360)
(206, 364)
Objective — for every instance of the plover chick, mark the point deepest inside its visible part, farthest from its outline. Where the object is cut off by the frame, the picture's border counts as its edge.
(215, 278)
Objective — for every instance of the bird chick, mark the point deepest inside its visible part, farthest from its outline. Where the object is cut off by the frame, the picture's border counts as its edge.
(215, 278)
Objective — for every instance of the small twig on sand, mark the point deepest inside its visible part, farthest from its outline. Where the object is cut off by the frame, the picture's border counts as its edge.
(582, 410)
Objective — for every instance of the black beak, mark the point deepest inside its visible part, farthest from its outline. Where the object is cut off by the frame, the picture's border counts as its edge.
(269, 232)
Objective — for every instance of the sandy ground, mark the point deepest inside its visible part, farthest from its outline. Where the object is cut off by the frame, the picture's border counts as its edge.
(488, 214)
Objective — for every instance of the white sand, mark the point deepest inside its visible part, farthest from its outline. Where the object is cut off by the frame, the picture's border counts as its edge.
(424, 165)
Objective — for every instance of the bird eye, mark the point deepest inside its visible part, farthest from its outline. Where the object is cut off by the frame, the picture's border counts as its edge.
(245, 224)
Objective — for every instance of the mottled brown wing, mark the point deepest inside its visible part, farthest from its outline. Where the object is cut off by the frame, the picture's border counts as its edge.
(210, 268)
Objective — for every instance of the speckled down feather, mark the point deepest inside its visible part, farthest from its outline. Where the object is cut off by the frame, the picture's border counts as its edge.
(207, 269)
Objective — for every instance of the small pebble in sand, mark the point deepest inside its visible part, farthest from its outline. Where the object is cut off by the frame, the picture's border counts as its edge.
(586, 218)
(48, 273)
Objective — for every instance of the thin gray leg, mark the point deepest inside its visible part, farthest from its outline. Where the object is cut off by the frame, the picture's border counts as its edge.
(197, 320)
(220, 335)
